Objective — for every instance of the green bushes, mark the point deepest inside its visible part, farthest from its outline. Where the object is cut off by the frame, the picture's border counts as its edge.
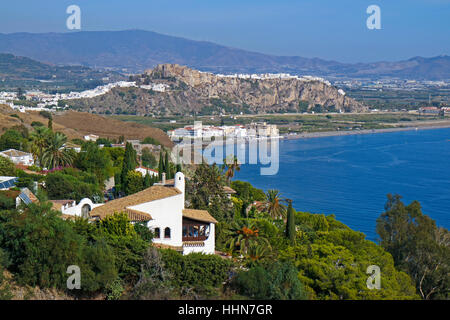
(40, 246)
(277, 281)
(127, 244)
(150, 140)
(196, 270)
(7, 167)
(6, 202)
(71, 184)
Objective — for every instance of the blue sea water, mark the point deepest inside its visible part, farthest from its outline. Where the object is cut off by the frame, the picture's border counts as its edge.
(350, 176)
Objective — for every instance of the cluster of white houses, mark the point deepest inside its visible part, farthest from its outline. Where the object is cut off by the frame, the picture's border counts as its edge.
(161, 207)
(252, 130)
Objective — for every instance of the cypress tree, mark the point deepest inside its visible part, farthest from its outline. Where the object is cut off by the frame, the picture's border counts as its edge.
(166, 166)
(290, 224)
(147, 181)
(129, 164)
(160, 165)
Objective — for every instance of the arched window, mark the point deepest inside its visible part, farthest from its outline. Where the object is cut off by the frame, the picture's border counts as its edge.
(157, 233)
(167, 232)
(85, 211)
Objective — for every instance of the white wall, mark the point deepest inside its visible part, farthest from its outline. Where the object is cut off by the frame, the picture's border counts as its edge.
(76, 210)
(165, 212)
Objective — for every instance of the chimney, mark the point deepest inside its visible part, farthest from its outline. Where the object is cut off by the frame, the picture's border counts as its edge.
(163, 178)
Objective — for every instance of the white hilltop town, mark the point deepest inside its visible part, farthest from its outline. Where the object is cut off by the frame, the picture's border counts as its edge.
(47, 101)
(273, 76)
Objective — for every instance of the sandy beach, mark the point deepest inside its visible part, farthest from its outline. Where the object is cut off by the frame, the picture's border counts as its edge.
(418, 126)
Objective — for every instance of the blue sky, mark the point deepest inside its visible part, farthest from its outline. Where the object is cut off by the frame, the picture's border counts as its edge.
(328, 29)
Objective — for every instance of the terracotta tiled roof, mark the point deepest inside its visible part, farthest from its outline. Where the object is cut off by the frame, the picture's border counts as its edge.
(57, 204)
(228, 190)
(62, 202)
(199, 215)
(15, 153)
(135, 215)
(166, 246)
(30, 195)
(121, 205)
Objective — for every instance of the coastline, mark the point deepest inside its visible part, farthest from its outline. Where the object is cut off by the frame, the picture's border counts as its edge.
(309, 135)
(324, 134)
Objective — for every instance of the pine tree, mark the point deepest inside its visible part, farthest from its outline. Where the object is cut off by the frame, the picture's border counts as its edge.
(290, 224)
(50, 124)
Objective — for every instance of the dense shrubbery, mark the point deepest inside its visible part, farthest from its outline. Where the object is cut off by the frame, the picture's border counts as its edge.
(7, 167)
(196, 270)
(275, 281)
(40, 246)
(72, 184)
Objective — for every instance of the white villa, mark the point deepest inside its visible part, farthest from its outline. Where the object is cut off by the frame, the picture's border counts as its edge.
(18, 157)
(161, 207)
(143, 170)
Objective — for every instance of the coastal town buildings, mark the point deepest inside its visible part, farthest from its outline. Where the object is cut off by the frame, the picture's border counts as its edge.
(252, 130)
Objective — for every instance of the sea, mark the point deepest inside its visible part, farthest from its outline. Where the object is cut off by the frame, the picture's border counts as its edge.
(350, 176)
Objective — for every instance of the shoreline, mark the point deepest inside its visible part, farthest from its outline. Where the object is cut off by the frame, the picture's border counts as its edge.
(324, 134)
(309, 135)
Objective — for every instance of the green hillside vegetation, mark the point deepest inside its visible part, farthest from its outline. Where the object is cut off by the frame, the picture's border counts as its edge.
(27, 73)
(259, 234)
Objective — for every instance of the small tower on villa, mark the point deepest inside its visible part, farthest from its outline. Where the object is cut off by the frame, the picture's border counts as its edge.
(179, 183)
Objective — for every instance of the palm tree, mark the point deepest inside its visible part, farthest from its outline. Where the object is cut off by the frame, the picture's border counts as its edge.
(55, 155)
(244, 235)
(39, 138)
(273, 205)
(257, 251)
(231, 165)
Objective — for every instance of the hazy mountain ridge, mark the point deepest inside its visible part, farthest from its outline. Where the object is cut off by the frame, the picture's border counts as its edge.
(137, 50)
(23, 69)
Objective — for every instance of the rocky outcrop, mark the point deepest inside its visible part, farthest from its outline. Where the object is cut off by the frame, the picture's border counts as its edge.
(191, 91)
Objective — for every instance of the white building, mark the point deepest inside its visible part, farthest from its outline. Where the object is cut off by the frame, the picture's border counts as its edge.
(91, 137)
(162, 208)
(18, 157)
(69, 208)
(143, 170)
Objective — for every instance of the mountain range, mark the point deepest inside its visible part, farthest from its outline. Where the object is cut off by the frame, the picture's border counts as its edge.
(134, 51)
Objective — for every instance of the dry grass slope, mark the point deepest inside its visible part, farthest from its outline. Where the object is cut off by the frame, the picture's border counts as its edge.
(77, 124)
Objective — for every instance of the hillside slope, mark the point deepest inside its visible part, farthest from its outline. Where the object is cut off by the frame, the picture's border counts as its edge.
(86, 123)
(21, 71)
(77, 124)
(190, 91)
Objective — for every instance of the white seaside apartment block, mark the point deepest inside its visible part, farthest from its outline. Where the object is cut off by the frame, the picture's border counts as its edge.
(253, 130)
